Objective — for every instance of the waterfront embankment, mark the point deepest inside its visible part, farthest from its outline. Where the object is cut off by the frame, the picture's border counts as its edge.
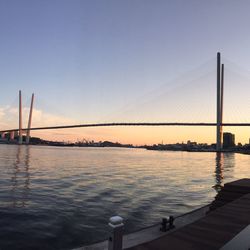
(221, 224)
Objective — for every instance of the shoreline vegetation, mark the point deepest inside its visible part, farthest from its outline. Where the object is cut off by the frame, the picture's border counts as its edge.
(189, 146)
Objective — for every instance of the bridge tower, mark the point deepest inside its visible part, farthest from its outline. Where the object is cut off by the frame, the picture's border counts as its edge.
(220, 93)
(30, 118)
(221, 102)
(3, 135)
(20, 141)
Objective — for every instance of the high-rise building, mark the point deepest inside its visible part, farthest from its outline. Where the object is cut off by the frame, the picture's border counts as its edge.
(228, 140)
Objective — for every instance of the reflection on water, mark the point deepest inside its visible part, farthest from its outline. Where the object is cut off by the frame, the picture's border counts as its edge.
(223, 161)
(61, 198)
(219, 166)
(21, 177)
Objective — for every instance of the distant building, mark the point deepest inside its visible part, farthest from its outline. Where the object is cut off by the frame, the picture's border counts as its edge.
(228, 140)
(191, 143)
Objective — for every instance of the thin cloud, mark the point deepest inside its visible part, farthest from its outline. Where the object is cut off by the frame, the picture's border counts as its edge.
(9, 118)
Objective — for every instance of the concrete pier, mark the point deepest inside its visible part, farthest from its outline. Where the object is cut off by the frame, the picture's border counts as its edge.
(214, 230)
(151, 233)
(208, 228)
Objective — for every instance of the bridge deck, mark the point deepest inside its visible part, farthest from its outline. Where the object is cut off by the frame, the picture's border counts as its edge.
(125, 124)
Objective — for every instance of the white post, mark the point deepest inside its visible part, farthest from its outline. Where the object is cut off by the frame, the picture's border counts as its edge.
(117, 226)
(30, 118)
(20, 118)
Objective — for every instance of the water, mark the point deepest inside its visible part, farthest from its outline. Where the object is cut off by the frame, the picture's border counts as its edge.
(61, 198)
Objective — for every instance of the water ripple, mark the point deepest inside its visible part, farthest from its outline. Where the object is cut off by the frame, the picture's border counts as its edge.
(60, 198)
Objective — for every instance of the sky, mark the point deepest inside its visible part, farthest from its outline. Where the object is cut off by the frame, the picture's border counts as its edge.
(135, 60)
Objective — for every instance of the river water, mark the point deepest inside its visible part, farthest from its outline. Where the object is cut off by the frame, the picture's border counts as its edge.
(61, 198)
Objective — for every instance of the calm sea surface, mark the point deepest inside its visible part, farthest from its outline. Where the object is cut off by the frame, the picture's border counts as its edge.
(61, 198)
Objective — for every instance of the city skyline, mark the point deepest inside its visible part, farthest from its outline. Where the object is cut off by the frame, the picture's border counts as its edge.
(89, 61)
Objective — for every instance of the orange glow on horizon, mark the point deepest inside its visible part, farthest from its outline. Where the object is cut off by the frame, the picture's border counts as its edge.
(143, 135)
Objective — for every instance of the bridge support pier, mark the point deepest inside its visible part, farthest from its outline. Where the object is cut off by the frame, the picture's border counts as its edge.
(12, 135)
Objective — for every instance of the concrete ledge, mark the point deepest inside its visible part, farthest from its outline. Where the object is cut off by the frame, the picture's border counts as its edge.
(153, 232)
(196, 230)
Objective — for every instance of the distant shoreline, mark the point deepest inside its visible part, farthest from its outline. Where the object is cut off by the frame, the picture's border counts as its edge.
(118, 145)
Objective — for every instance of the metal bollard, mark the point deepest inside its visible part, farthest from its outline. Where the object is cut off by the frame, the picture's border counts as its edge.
(171, 222)
(165, 222)
(164, 225)
(117, 226)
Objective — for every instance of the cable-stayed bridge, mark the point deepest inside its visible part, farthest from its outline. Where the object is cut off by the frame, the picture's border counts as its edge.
(219, 124)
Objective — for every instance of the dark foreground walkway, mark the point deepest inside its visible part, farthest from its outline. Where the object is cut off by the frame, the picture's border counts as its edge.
(211, 232)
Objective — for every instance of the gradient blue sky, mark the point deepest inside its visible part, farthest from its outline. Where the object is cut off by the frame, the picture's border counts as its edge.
(86, 59)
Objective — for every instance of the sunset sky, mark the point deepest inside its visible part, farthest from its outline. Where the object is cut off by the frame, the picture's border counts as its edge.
(135, 60)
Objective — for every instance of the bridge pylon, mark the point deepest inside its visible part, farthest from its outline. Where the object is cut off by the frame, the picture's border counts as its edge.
(20, 138)
(220, 90)
(30, 118)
